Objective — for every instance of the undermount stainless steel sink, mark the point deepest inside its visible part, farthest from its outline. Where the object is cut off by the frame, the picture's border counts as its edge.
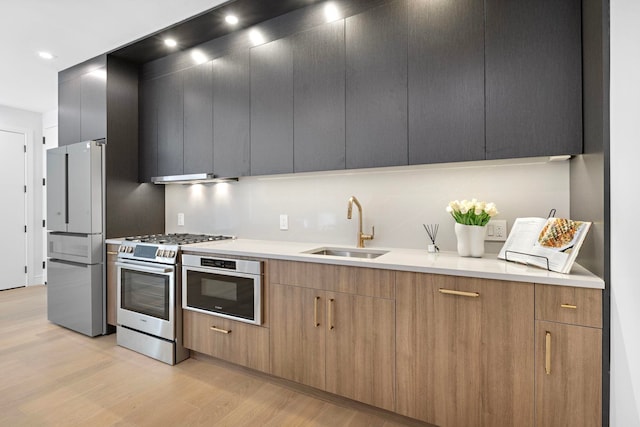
(347, 253)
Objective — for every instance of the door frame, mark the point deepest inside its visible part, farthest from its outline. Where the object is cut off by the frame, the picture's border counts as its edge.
(27, 136)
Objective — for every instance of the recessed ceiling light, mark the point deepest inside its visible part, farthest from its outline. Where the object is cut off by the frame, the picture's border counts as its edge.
(231, 19)
(170, 42)
(45, 55)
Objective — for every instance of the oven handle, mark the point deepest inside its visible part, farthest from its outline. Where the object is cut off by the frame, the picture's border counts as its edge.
(144, 268)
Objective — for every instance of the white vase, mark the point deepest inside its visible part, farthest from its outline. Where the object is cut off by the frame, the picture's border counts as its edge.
(470, 240)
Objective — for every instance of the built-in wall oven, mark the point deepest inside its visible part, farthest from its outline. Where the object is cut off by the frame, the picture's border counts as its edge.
(149, 312)
(224, 287)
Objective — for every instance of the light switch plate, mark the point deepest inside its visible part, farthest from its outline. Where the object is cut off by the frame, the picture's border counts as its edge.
(284, 222)
(496, 230)
(180, 219)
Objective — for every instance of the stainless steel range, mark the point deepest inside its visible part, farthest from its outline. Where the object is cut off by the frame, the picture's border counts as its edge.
(149, 314)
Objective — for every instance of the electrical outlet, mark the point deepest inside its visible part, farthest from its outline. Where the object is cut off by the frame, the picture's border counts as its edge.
(180, 219)
(284, 222)
(496, 230)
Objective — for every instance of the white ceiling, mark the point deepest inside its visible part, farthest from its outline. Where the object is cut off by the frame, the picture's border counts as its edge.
(74, 31)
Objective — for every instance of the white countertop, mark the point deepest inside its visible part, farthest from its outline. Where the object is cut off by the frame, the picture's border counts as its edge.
(448, 263)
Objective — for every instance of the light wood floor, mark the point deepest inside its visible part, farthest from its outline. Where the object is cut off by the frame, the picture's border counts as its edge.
(51, 376)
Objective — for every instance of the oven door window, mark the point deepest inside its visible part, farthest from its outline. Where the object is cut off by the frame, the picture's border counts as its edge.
(221, 294)
(145, 293)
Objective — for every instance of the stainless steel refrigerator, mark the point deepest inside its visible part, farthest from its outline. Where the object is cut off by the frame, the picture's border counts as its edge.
(75, 246)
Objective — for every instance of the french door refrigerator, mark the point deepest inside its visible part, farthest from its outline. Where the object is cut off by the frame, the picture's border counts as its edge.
(75, 245)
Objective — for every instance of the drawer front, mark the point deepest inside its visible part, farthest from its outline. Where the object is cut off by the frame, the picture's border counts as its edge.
(336, 278)
(235, 342)
(566, 304)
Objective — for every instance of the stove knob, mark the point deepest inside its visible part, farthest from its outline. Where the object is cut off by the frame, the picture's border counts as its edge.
(159, 252)
(129, 249)
(172, 254)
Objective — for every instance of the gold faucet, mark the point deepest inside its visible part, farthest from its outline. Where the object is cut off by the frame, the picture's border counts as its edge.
(361, 236)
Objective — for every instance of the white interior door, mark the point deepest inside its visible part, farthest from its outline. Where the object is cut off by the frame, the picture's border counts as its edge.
(13, 255)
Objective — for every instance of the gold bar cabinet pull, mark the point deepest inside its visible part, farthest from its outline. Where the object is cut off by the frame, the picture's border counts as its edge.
(569, 306)
(315, 311)
(222, 331)
(460, 293)
(330, 304)
(547, 353)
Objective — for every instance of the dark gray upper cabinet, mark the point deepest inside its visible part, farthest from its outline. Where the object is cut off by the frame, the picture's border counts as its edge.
(272, 108)
(376, 87)
(93, 105)
(69, 111)
(148, 131)
(198, 119)
(319, 97)
(170, 124)
(231, 115)
(446, 81)
(533, 78)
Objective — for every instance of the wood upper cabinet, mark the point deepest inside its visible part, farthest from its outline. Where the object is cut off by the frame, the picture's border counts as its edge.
(533, 78)
(198, 119)
(112, 284)
(341, 342)
(272, 108)
(568, 356)
(376, 87)
(147, 131)
(93, 105)
(231, 115)
(446, 81)
(69, 111)
(82, 107)
(319, 96)
(465, 350)
(170, 124)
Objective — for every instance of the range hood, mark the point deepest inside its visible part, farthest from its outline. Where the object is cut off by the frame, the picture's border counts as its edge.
(195, 178)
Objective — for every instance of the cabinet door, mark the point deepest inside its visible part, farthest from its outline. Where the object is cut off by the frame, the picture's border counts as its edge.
(112, 283)
(198, 119)
(376, 87)
(272, 108)
(360, 348)
(93, 102)
(462, 359)
(298, 327)
(446, 81)
(568, 375)
(231, 115)
(170, 124)
(533, 99)
(69, 111)
(318, 85)
(148, 131)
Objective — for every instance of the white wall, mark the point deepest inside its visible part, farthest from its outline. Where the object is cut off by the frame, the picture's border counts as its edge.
(31, 124)
(396, 200)
(625, 206)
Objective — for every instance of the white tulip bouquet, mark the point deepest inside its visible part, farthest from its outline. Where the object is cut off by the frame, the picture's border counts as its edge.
(472, 212)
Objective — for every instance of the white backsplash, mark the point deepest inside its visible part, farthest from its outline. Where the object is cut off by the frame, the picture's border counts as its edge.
(397, 201)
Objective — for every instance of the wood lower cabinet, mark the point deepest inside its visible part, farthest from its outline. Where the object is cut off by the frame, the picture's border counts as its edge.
(568, 356)
(236, 342)
(298, 333)
(465, 350)
(112, 283)
(340, 342)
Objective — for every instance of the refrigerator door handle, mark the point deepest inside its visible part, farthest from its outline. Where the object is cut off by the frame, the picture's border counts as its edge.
(66, 188)
(71, 263)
